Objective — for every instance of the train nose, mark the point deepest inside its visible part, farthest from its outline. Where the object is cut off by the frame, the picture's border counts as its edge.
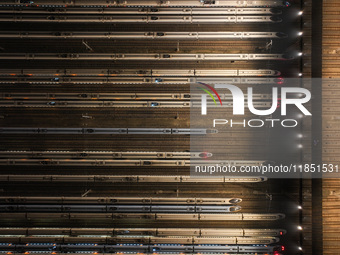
(235, 200)
(275, 19)
(235, 208)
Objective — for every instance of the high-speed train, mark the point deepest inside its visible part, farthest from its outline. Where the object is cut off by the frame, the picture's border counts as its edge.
(120, 200)
(143, 35)
(142, 57)
(142, 11)
(111, 104)
(160, 217)
(56, 77)
(139, 239)
(102, 103)
(109, 131)
(160, 100)
(126, 162)
(140, 248)
(117, 96)
(94, 96)
(128, 3)
(130, 253)
(207, 232)
(106, 154)
(45, 80)
(129, 178)
(41, 208)
(156, 19)
(134, 72)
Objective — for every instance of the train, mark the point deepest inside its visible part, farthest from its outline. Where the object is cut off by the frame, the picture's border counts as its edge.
(142, 11)
(86, 208)
(106, 96)
(140, 240)
(135, 72)
(142, 57)
(144, 35)
(106, 154)
(130, 178)
(118, 96)
(116, 104)
(121, 217)
(109, 131)
(45, 80)
(212, 232)
(127, 162)
(148, 19)
(101, 103)
(131, 253)
(121, 200)
(140, 248)
(129, 3)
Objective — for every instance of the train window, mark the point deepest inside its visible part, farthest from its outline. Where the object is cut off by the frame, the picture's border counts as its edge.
(205, 155)
(235, 200)
(208, 2)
